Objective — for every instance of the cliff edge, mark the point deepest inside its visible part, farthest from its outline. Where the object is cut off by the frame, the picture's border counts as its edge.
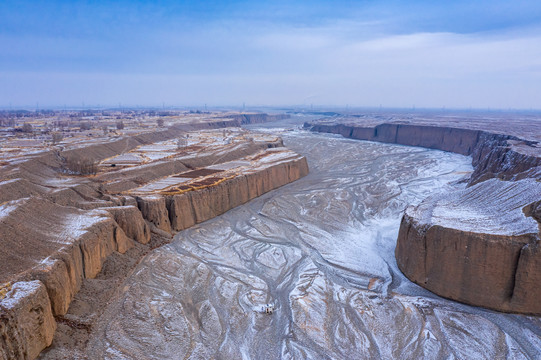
(479, 245)
(476, 246)
(59, 227)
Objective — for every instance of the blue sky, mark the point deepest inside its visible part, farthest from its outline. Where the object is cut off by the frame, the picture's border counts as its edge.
(363, 53)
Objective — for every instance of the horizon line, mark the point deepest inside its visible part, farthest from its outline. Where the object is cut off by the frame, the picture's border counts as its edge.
(289, 107)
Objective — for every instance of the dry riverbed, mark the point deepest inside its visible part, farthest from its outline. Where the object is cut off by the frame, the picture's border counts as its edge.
(321, 251)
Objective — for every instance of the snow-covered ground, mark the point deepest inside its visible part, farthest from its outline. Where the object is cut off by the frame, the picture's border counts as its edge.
(321, 251)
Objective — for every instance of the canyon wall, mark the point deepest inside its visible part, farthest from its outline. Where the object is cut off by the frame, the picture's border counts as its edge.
(257, 118)
(26, 321)
(476, 245)
(63, 245)
(194, 207)
(480, 246)
(77, 249)
(58, 231)
(493, 155)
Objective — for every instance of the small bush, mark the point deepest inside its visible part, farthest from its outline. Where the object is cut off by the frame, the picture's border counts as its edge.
(85, 125)
(80, 166)
(27, 128)
(57, 137)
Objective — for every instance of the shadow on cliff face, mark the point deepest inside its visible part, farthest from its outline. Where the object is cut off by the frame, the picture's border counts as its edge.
(321, 250)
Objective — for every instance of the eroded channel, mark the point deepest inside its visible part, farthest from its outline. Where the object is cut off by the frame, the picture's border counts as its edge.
(321, 251)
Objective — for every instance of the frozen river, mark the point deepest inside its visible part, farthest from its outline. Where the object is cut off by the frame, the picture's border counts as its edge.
(321, 251)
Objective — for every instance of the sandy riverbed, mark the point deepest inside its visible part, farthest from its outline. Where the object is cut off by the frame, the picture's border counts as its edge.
(322, 251)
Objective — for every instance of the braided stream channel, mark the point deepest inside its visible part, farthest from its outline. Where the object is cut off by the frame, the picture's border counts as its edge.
(321, 251)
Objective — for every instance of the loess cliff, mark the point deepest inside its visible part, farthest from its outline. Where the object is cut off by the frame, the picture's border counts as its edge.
(476, 245)
(58, 228)
(480, 245)
(493, 155)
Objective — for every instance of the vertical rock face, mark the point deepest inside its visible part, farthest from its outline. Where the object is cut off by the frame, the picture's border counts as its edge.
(194, 207)
(131, 221)
(181, 211)
(63, 246)
(493, 155)
(63, 272)
(26, 321)
(457, 140)
(96, 245)
(504, 157)
(473, 268)
(64, 233)
(527, 291)
(257, 118)
(62, 278)
(154, 209)
(178, 212)
(123, 243)
(476, 246)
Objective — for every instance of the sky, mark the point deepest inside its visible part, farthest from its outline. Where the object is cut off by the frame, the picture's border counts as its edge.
(417, 53)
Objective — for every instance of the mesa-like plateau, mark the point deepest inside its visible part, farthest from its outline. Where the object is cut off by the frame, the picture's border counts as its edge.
(65, 210)
(422, 240)
(479, 245)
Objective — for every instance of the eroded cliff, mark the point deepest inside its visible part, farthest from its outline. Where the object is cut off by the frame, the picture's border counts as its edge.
(493, 155)
(480, 245)
(26, 322)
(68, 226)
(476, 245)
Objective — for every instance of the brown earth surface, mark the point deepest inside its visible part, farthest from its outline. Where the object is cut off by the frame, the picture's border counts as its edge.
(74, 237)
(481, 245)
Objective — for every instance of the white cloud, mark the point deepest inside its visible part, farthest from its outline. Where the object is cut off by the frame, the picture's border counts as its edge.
(343, 62)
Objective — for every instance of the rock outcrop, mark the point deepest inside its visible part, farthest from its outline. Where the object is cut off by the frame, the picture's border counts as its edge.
(131, 221)
(26, 321)
(505, 157)
(493, 155)
(58, 230)
(480, 245)
(476, 246)
(154, 210)
(63, 246)
(194, 207)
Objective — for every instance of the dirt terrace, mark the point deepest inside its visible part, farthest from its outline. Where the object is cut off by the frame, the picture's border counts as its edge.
(481, 245)
(60, 224)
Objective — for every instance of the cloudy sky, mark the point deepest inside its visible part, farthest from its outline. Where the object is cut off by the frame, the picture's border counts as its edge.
(475, 53)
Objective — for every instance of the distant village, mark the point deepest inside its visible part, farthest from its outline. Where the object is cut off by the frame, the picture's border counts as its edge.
(50, 127)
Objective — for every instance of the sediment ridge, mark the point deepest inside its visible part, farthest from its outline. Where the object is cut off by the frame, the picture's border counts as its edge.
(59, 229)
(479, 245)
